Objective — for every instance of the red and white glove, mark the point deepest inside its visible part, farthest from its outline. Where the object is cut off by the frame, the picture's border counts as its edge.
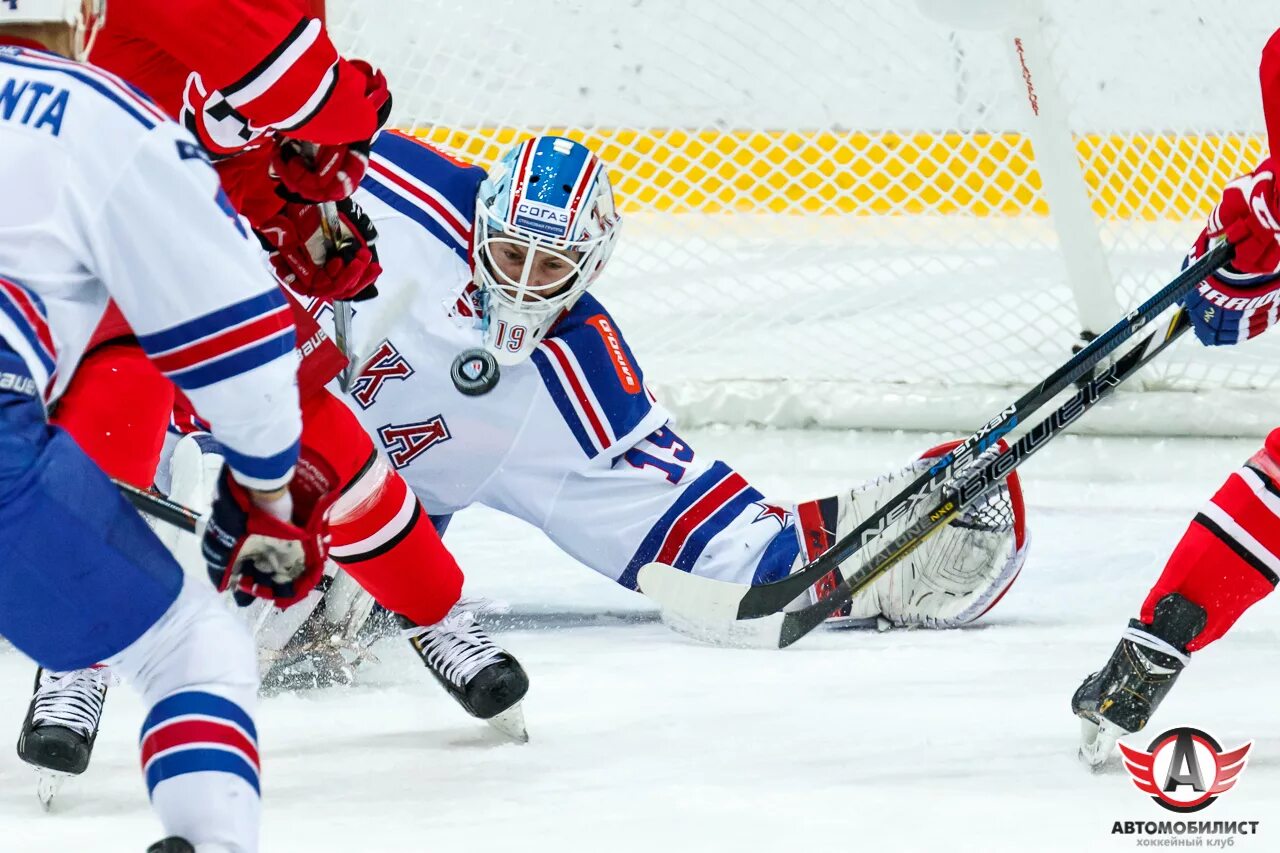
(318, 173)
(1249, 218)
(306, 261)
(256, 554)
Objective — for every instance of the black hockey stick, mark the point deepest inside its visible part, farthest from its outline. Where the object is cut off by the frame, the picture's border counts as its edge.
(981, 478)
(697, 605)
(162, 508)
(764, 599)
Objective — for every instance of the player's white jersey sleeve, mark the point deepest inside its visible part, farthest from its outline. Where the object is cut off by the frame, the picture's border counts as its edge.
(117, 201)
(201, 304)
(655, 501)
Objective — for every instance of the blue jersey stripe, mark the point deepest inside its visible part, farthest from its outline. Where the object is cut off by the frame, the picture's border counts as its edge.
(458, 183)
(89, 79)
(13, 313)
(392, 196)
(712, 527)
(213, 322)
(197, 702)
(262, 467)
(233, 365)
(653, 539)
(200, 761)
(561, 398)
(778, 558)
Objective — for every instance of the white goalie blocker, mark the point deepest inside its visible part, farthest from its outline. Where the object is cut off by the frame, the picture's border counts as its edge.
(951, 579)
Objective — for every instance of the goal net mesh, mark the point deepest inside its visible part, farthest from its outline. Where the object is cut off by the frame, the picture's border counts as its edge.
(833, 211)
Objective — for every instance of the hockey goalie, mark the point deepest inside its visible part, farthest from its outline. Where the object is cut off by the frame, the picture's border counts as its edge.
(569, 438)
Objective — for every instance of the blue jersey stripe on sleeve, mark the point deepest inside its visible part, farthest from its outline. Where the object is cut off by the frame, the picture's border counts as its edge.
(415, 212)
(653, 539)
(266, 468)
(561, 398)
(11, 311)
(210, 324)
(244, 360)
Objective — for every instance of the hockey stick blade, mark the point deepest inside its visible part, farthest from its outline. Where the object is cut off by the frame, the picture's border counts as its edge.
(705, 609)
(764, 599)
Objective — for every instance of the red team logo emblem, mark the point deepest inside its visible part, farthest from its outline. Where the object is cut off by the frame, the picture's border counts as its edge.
(1185, 769)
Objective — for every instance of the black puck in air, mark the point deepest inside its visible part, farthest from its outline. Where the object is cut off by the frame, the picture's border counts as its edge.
(474, 372)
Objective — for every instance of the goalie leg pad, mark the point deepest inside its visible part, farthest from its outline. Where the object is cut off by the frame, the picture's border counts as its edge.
(955, 576)
(1229, 558)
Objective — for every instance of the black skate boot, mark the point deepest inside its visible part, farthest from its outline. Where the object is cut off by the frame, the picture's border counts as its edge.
(485, 679)
(61, 726)
(1121, 697)
(172, 844)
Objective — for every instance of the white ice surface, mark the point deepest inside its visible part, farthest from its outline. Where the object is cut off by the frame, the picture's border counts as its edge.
(643, 741)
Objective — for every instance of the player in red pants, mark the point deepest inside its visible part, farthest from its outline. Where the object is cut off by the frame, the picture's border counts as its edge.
(1229, 558)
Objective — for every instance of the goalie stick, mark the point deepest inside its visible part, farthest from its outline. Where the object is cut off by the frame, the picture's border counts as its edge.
(698, 606)
(731, 604)
(766, 599)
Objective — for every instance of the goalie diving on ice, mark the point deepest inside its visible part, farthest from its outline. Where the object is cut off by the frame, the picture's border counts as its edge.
(571, 439)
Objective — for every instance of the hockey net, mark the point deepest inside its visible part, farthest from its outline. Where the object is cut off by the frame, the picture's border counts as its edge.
(838, 213)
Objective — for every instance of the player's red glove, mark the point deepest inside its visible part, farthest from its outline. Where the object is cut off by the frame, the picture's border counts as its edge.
(1249, 217)
(255, 554)
(315, 173)
(310, 265)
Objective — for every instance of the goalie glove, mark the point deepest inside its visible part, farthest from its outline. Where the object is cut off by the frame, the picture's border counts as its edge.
(257, 554)
(956, 575)
(310, 265)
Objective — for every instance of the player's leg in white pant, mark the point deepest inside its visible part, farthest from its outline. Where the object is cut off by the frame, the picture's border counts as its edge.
(197, 672)
(83, 579)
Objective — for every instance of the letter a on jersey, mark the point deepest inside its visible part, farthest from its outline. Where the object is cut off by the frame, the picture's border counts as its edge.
(406, 442)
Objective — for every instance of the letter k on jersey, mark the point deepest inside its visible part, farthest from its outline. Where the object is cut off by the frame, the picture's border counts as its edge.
(385, 363)
(406, 442)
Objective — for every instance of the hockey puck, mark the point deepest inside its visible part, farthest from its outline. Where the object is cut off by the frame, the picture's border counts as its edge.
(474, 372)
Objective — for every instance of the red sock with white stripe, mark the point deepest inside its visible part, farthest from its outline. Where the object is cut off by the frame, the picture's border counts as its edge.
(384, 539)
(1229, 558)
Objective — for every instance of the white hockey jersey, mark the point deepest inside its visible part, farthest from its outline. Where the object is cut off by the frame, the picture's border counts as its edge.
(106, 197)
(570, 440)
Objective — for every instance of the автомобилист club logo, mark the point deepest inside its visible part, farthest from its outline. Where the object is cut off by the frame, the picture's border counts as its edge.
(1185, 770)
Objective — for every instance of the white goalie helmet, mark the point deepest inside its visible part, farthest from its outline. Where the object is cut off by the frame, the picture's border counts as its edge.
(85, 17)
(545, 227)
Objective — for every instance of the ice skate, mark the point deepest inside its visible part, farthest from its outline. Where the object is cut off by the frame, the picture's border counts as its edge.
(485, 679)
(61, 726)
(1120, 698)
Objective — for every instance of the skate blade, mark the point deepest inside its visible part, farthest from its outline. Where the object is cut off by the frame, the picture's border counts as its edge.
(1097, 741)
(48, 783)
(511, 723)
